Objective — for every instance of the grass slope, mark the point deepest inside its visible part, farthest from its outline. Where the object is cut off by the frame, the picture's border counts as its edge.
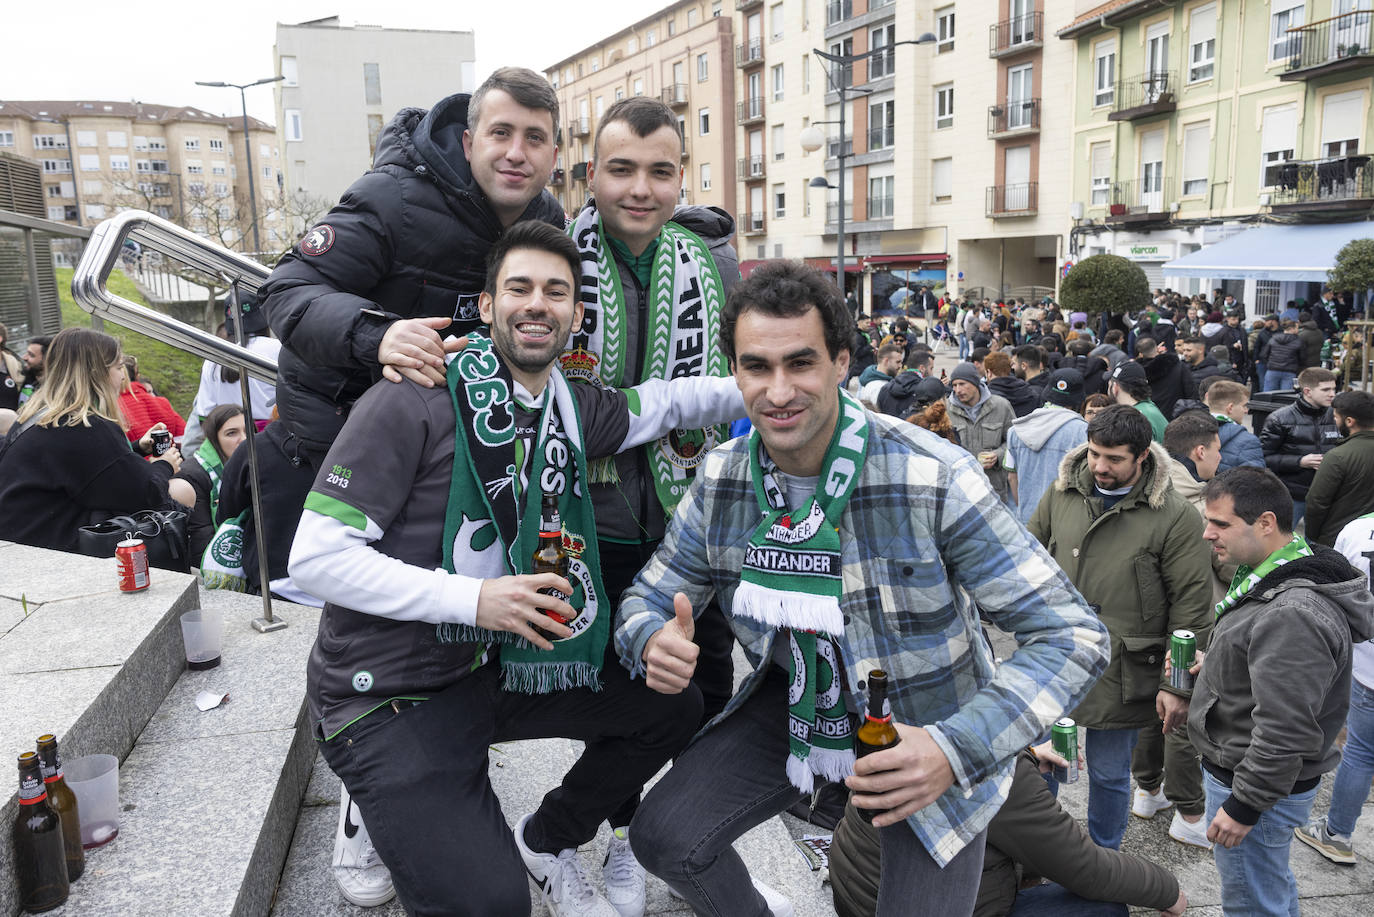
(174, 374)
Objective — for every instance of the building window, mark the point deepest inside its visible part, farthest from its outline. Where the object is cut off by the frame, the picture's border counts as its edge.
(1104, 72)
(705, 176)
(117, 139)
(140, 143)
(217, 168)
(631, 46)
(374, 131)
(692, 16)
(1202, 43)
(195, 188)
(1342, 118)
(944, 30)
(266, 171)
(90, 162)
(95, 211)
(777, 142)
(372, 84)
(882, 124)
(944, 106)
(56, 191)
(599, 106)
(55, 213)
(86, 138)
(194, 167)
(806, 74)
(6, 138)
(57, 165)
(192, 144)
(221, 188)
(775, 21)
(292, 117)
(843, 74)
(89, 187)
(1197, 142)
(779, 201)
(216, 146)
(1100, 158)
(288, 72)
(157, 143)
(596, 64)
(119, 163)
(639, 87)
(1285, 15)
(880, 197)
(942, 180)
(703, 122)
(619, 93)
(143, 165)
(882, 63)
(49, 142)
(672, 27)
(778, 84)
(1278, 140)
(1267, 297)
(703, 66)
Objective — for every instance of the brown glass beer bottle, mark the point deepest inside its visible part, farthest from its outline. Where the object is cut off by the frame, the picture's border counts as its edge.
(876, 732)
(549, 555)
(40, 862)
(62, 801)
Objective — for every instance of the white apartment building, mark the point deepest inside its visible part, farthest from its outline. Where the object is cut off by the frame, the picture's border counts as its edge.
(341, 85)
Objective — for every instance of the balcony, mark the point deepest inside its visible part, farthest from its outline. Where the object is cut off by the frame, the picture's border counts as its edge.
(881, 138)
(580, 127)
(882, 64)
(557, 178)
(835, 147)
(1012, 119)
(1144, 95)
(1335, 183)
(1344, 42)
(742, 5)
(752, 224)
(1139, 201)
(749, 53)
(750, 167)
(1020, 33)
(838, 11)
(832, 212)
(749, 111)
(880, 208)
(1020, 200)
(674, 95)
(579, 171)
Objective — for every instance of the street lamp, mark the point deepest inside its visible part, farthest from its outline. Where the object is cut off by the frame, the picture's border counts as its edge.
(248, 146)
(813, 138)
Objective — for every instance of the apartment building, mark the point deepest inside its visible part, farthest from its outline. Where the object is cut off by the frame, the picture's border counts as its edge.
(183, 164)
(342, 84)
(682, 54)
(942, 147)
(1194, 119)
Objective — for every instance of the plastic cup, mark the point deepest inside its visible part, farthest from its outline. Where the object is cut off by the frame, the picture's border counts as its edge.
(203, 633)
(95, 781)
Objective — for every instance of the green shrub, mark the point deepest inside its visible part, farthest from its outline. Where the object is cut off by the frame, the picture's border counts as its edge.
(1105, 283)
(1354, 268)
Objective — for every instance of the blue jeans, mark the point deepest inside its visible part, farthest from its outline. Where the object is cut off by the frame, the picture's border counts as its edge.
(1108, 754)
(964, 348)
(1256, 880)
(1299, 510)
(1356, 772)
(1054, 900)
(1275, 381)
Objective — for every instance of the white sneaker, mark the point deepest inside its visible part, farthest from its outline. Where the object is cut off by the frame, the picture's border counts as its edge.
(1145, 805)
(563, 883)
(777, 902)
(361, 876)
(1194, 834)
(624, 876)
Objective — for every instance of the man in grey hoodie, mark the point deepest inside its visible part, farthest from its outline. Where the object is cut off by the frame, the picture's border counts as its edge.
(1274, 689)
(982, 420)
(1038, 442)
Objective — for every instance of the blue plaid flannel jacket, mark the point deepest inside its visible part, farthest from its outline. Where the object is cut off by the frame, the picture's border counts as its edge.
(926, 544)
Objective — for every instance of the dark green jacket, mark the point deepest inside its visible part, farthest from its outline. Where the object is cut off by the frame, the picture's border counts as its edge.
(1342, 489)
(1140, 566)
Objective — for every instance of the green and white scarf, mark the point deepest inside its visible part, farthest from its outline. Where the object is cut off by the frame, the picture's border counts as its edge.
(1247, 578)
(681, 338)
(208, 457)
(792, 580)
(491, 524)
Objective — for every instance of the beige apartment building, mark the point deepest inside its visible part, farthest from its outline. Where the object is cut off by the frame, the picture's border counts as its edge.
(183, 164)
(683, 54)
(943, 143)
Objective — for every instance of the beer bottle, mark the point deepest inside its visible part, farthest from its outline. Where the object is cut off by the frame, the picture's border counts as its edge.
(40, 863)
(876, 733)
(62, 801)
(549, 556)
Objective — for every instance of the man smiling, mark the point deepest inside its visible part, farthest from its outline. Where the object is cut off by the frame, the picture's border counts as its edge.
(899, 535)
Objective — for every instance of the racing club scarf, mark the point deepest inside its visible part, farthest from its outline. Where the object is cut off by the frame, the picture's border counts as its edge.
(681, 338)
(491, 524)
(792, 580)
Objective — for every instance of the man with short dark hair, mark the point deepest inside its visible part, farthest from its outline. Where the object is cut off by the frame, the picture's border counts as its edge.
(1298, 435)
(1128, 541)
(1170, 378)
(419, 667)
(1273, 691)
(1022, 398)
(33, 358)
(1201, 364)
(1343, 485)
(1028, 361)
(890, 357)
(804, 529)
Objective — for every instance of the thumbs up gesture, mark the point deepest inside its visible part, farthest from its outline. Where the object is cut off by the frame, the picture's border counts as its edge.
(670, 656)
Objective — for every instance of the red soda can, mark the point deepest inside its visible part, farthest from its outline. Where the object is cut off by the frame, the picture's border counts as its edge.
(131, 562)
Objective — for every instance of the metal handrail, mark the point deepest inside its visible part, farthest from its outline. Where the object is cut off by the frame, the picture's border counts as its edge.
(102, 256)
(240, 273)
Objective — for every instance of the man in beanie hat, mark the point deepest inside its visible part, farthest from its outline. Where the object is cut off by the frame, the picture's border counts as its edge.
(1038, 442)
(1129, 385)
(981, 419)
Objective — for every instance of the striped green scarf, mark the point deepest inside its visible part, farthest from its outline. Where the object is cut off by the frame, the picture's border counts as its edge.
(1247, 578)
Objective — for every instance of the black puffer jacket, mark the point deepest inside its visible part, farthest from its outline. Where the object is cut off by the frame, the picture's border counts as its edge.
(408, 239)
(1022, 397)
(1291, 432)
(1170, 379)
(1284, 354)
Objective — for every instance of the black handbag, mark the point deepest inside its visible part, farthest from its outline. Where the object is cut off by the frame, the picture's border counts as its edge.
(166, 535)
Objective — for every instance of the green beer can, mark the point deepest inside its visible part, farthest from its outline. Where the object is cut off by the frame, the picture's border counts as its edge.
(1064, 738)
(1182, 655)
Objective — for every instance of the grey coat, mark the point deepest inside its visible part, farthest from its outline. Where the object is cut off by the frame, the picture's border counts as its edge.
(986, 434)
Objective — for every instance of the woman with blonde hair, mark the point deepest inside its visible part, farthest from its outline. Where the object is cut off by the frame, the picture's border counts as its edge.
(66, 461)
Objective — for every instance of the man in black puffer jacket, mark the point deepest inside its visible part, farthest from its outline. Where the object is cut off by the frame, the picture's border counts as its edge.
(1169, 377)
(1283, 359)
(370, 290)
(1296, 436)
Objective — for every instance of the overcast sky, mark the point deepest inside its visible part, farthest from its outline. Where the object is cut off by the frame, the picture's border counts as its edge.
(95, 49)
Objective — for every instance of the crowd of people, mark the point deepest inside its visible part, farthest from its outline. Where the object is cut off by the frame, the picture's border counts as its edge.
(466, 372)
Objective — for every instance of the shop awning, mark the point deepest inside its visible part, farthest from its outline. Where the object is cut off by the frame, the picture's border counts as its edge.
(1272, 253)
